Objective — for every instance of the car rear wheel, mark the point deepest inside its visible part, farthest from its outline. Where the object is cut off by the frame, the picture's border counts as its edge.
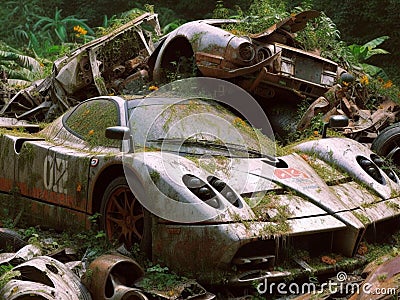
(123, 217)
(387, 143)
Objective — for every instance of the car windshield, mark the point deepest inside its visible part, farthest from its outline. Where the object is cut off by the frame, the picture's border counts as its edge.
(195, 126)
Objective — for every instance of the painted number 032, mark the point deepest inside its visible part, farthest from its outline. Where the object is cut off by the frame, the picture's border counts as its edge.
(55, 174)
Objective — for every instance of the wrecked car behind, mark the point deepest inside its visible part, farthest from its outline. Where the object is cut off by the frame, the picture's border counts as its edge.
(100, 67)
(264, 64)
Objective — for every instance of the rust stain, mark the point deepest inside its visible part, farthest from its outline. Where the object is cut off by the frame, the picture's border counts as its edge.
(6, 184)
(174, 230)
(52, 197)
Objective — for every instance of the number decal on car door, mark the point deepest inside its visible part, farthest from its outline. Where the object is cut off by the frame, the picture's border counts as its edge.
(55, 174)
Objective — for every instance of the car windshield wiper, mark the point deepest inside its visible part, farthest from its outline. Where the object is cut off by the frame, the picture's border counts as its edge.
(208, 143)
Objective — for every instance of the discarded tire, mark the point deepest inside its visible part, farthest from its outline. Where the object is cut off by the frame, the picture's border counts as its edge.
(387, 143)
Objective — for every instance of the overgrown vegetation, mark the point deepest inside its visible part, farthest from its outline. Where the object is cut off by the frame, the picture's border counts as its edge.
(47, 29)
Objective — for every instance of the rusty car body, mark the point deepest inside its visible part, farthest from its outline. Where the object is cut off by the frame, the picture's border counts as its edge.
(100, 67)
(271, 65)
(224, 211)
(264, 64)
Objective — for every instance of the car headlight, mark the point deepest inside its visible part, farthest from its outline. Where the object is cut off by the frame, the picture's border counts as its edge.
(203, 190)
(224, 190)
(263, 53)
(370, 168)
(247, 52)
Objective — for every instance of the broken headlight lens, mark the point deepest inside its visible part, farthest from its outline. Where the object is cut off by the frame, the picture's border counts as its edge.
(247, 52)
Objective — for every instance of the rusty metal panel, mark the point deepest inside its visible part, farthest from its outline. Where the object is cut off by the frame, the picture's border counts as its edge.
(7, 166)
(68, 171)
(29, 167)
(113, 276)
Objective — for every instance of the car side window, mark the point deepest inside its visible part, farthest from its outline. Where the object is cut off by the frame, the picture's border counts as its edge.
(90, 119)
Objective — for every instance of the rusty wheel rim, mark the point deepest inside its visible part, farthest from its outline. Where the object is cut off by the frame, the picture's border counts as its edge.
(124, 217)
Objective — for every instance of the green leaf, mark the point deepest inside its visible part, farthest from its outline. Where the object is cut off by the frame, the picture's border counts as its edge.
(376, 51)
(24, 61)
(376, 42)
(374, 71)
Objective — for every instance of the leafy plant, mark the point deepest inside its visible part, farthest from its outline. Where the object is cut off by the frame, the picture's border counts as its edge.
(22, 9)
(260, 15)
(362, 53)
(58, 26)
(160, 278)
(17, 65)
(6, 274)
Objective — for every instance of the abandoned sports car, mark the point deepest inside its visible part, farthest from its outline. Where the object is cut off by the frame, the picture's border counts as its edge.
(197, 186)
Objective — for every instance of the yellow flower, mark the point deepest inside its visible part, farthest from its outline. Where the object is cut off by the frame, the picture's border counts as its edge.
(91, 132)
(364, 80)
(316, 133)
(153, 88)
(80, 30)
(388, 84)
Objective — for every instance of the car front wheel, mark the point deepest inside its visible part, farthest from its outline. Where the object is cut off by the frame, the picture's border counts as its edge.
(123, 217)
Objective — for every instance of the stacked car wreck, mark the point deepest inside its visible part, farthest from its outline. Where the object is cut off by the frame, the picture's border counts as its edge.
(245, 209)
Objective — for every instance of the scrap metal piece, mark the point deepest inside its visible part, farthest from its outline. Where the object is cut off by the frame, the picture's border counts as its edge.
(25, 253)
(382, 281)
(45, 277)
(185, 290)
(302, 263)
(13, 123)
(318, 106)
(112, 276)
